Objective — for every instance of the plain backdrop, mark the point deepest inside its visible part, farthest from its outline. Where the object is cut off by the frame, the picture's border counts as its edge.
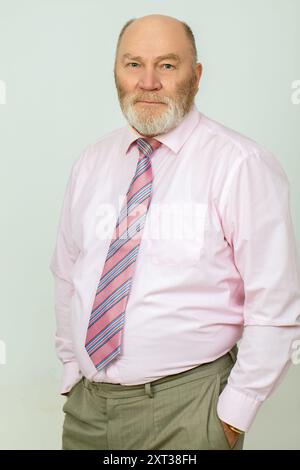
(56, 67)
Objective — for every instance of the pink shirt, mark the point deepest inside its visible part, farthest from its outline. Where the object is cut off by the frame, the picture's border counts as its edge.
(230, 269)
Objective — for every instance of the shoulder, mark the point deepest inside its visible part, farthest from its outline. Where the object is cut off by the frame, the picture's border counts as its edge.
(230, 138)
(91, 154)
(241, 151)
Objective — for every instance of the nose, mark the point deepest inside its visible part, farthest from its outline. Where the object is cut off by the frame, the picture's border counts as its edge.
(149, 80)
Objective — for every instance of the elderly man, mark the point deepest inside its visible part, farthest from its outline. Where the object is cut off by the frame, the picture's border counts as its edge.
(175, 241)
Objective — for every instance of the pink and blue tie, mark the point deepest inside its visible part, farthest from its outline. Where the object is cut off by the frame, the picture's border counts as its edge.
(104, 333)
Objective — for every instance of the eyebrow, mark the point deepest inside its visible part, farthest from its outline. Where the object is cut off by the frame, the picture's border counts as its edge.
(170, 56)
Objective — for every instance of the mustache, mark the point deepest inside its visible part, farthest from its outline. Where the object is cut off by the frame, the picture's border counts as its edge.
(154, 98)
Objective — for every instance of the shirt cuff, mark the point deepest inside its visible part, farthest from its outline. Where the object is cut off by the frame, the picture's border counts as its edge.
(70, 376)
(236, 408)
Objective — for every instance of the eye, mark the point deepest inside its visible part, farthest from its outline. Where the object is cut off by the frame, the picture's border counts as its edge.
(132, 64)
(168, 66)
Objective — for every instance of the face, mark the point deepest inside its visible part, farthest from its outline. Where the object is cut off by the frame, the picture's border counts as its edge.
(155, 76)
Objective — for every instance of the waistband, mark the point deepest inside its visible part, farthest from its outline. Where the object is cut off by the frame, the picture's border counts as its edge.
(112, 390)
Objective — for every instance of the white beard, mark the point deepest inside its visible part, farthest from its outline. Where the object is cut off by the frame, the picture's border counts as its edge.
(150, 124)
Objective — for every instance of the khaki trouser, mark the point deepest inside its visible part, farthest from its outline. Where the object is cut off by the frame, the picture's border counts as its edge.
(175, 412)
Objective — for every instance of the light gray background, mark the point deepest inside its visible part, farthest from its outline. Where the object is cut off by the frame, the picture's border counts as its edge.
(56, 60)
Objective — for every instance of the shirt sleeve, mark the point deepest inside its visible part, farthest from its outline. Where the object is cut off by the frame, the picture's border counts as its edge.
(61, 266)
(258, 226)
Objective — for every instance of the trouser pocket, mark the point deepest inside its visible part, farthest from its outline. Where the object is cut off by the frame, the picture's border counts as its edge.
(218, 436)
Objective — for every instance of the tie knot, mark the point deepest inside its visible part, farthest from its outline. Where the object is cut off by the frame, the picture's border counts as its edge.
(147, 145)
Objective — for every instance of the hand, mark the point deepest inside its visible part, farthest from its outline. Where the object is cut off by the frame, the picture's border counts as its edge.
(231, 435)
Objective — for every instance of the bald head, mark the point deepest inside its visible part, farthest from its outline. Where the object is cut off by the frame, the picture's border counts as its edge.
(155, 27)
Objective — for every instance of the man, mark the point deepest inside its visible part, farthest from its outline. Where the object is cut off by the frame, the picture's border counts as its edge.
(151, 298)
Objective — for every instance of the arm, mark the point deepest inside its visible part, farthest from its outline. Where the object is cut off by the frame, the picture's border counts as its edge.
(258, 227)
(62, 262)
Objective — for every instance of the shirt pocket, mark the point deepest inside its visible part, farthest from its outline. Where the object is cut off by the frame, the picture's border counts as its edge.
(175, 237)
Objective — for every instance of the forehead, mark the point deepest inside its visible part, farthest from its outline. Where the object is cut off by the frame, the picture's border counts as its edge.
(154, 39)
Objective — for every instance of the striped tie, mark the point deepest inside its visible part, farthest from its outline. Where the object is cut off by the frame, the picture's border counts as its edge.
(104, 333)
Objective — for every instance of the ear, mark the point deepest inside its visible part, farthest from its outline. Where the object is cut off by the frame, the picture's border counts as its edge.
(198, 72)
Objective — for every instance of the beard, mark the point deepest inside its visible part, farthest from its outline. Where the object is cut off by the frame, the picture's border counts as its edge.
(147, 119)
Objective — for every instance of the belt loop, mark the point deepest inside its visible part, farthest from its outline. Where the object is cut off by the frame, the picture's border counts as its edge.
(233, 353)
(86, 382)
(148, 389)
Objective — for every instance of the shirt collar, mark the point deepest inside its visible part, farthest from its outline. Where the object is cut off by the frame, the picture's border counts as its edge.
(174, 139)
